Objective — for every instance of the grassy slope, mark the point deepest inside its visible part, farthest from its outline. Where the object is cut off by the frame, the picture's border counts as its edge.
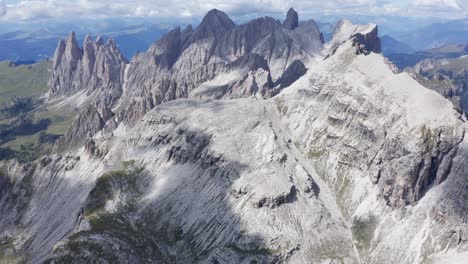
(31, 81)
(24, 80)
(61, 120)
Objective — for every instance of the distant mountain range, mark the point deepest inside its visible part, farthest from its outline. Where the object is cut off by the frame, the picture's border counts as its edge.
(400, 35)
(231, 143)
(392, 46)
(436, 35)
(403, 60)
(39, 45)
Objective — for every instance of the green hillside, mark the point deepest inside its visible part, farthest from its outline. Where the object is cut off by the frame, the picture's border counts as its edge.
(28, 126)
(23, 80)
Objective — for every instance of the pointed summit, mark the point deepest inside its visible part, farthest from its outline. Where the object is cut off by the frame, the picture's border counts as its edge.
(72, 52)
(214, 23)
(292, 19)
(72, 36)
(59, 53)
(111, 43)
(216, 18)
(99, 41)
(367, 36)
(87, 39)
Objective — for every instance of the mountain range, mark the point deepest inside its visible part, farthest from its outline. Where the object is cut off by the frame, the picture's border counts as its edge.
(226, 143)
(40, 44)
(22, 42)
(410, 59)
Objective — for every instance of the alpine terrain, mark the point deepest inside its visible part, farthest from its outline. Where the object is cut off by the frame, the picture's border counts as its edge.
(251, 143)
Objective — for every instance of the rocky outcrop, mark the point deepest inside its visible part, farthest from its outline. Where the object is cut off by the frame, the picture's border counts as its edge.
(96, 72)
(217, 60)
(368, 42)
(95, 67)
(352, 162)
(215, 24)
(86, 124)
(295, 71)
(187, 62)
(365, 37)
(292, 19)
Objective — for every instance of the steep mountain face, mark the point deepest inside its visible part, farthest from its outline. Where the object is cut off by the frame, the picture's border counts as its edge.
(94, 74)
(95, 66)
(238, 61)
(258, 58)
(365, 37)
(246, 144)
(448, 77)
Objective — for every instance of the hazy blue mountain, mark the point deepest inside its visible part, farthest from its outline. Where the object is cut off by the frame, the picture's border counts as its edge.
(388, 25)
(391, 46)
(40, 44)
(136, 38)
(403, 60)
(437, 34)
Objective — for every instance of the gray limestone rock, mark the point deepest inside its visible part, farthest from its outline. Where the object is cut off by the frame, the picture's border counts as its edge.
(326, 155)
(292, 19)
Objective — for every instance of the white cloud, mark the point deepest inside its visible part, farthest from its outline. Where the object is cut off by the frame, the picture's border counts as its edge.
(445, 4)
(3, 9)
(441, 7)
(17, 10)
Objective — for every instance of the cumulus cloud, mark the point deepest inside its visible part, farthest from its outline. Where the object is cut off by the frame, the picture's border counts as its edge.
(43, 9)
(447, 8)
(3, 9)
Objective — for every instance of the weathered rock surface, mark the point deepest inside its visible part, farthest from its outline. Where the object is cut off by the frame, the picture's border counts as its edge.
(365, 37)
(95, 72)
(448, 77)
(326, 155)
(292, 19)
(96, 66)
(251, 57)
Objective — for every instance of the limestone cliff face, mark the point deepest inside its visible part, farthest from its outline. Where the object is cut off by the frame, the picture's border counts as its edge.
(324, 155)
(96, 71)
(365, 37)
(96, 66)
(251, 57)
(292, 19)
(215, 60)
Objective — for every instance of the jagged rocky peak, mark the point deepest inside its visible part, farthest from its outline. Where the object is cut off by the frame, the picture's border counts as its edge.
(191, 62)
(72, 51)
(90, 67)
(99, 41)
(214, 24)
(89, 51)
(59, 53)
(350, 163)
(365, 37)
(292, 19)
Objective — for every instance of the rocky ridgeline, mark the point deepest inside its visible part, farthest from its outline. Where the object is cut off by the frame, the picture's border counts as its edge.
(365, 37)
(94, 67)
(258, 58)
(327, 155)
(96, 72)
(241, 61)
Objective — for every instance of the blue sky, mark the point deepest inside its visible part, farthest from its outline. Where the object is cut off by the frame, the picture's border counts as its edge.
(32, 10)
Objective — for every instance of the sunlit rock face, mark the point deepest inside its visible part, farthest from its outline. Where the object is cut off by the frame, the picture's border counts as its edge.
(253, 143)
